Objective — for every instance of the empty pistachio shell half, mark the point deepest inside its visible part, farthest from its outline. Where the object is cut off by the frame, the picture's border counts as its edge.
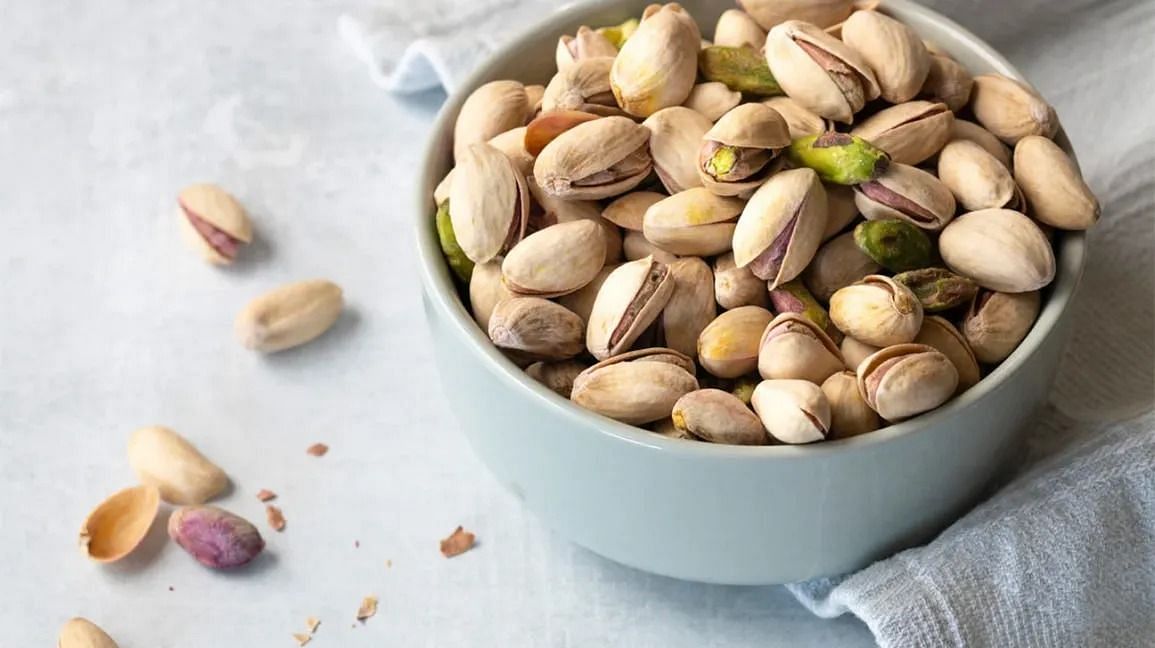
(694, 222)
(593, 160)
(736, 28)
(781, 227)
(728, 346)
(792, 411)
(691, 306)
(629, 211)
(800, 122)
(583, 85)
(711, 99)
(289, 316)
(546, 127)
(556, 260)
(82, 633)
(997, 322)
(849, 413)
(968, 130)
(490, 110)
(586, 44)
(630, 300)
(906, 193)
(657, 66)
(118, 524)
(854, 352)
(558, 376)
(910, 132)
(977, 179)
(213, 222)
(461, 265)
(999, 249)
(742, 69)
(837, 264)
(735, 154)
(537, 329)
(938, 289)
(734, 286)
(675, 137)
(166, 460)
(215, 537)
(1011, 109)
(840, 209)
(823, 13)
(819, 71)
(947, 81)
(486, 289)
(792, 346)
(877, 310)
(793, 297)
(839, 158)
(894, 244)
(636, 387)
(893, 51)
(718, 417)
(1053, 185)
(490, 202)
(940, 334)
(904, 380)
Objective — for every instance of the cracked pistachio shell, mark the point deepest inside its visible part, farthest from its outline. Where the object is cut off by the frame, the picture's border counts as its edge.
(839, 158)
(743, 69)
(490, 110)
(629, 211)
(997, 322)
(905, 380)
(582, 86)
(906, 193)
(947, 81)
(675, 137)
(792, 346)
(1011, 109)
(559, 376)
(793, 297)
(694, 222)
(581, 301)
(968, 130)
(893, 51)
(840, 209)
(712, 99)
(728, 346)
(594, 160)
(636, 246)
(909, 132)
(837, 264)
(545, 128)
(118, 524)
(877, 310)
(213, 222)
(586, 44)
(556, 260)
(630, 299)
(736, 28)
(162, 458)
(822, 13)
(691, 306)
(637, 387)
(976, 178)
(454, 255)
(938, 289)
(82, 633)
(792, 411)
(820, 72)
(781, 226)
(486, 289)
(735, 154)
(1053, 185)
(849, 413)
(734, 286)
(490, 201)
(940, 334)
(854, 351)
(718, 417)
(536, 328)
(512, 144)
(800, 122)
(894, 244)
(657, 66)
(1000, 249)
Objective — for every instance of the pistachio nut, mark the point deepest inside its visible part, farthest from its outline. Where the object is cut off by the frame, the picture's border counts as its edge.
(849, 413)
(629, 301)
(454, 255)
(1053, 185)
(581, 301)
(490, 110)
(545, 128)
(894, 244)
(968, 130)
(792, 411)
(819, 71)
(119, 524)
(839, 158)
(904, 380)
(213, 222)
(736, 28)
(822, 13)
(800, 122)
(793, 297)
(486, 289)
(906, 193)
(691, 306)
(910, 132)
(636, 246)
(837, 264)
(82, 633)
(658, 65)
(557, 260)
(289, 316)
(792, 346)
(675, 137)
(584, 86)
(620, 33)
(893, 51)
(718, 417)
(665, 427)
(586, 44)
(512, 144)
(999, 249)
(711, 99)
(877, 310)
(781, 227)
(841, 209)
(536, 328)
(742, 69)
(215, 537)
(997, 322)
(734, 286)
(593, 160)
(743, 387)
(728, 346)
(735, 154)
(947, 81)
(556, 210)
(629, 211)
(166, 460)
(558, 376)
(1011, 109)
(490, 201)
(976, 178)
(940, 334)
(634, 387)
(938, 289)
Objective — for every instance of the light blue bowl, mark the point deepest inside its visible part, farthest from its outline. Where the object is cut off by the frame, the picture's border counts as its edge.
(714, 513)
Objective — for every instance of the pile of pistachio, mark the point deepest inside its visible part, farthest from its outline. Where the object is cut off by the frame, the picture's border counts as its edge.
(813, 225)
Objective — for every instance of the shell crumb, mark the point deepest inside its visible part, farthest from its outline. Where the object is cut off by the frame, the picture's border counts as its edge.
(317, 449)
(457, 543)
(368, 608)
(276, 517)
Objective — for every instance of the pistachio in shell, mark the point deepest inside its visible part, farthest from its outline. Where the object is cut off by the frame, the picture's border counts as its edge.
(728, 346)
(940, 334)
(213, 222)
(736, 28)
(1000, 249)
(849, 414)
(819, 71)
(534, 94)
(718, 417)
(512, 144)
(1011, 109)
(555, 210)
(636, 387)
(781, 226)
(792, 346)
(742, 69)
(938, 289)
(976, 178)
(841, 209)
(736, 152)
(877, 310)
(997, 322)
(839, 158)
(822, 13)
(837, 264)
(594, 160)
(118, 524)
(675, 137)
(910, 132)
(666, 428)
(691, 306)
(556, 260)
(854, 351)
(894, 52)
(1053, 185)
(536, 329)
(82, 633)
(793, 297)
(160, 457)
(630, 299)
(486, 290)
(906, 193)
(544, 128)
(894, 244)
(461, 265)
(581, 301)
(968, 130)
(792, 411)
(585, 44)
(629, 211)
(947, 81)
(584, 86)
(657, 66)
(490, 201)
(734, 286)
(636, 246)
(490, 110)
(905, 380)
(800, 122)
(559, 376)
(712, 99)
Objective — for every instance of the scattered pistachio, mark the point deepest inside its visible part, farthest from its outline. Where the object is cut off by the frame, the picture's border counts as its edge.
(289, 316)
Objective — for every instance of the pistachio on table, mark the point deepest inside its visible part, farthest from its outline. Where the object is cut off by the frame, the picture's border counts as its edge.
(792, 411)
(742, 69)
(166, 460)
(718, 417)
(215, 537)
(290, 315)
(903, 380)
(82, 633)
(214, 222)
(119, 524)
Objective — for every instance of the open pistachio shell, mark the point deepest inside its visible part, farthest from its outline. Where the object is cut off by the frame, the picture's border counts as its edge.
(586, 44)
(904, 380)
(712, 99)
(718, 417)
(736, 28)
(819, 71)
(593, 160)
(581, 301)
(636, 246)
(793, 297)
(1000, 249)
(893, 51)
(910, 132)
(118, 525)
(630, 300)
(822, 13)
(906, 193)
(792, 411)
(486, 289)
(557, 260)
(800, 122)
(734, 286)
(675, 137)
(1011, 109)
(947, 81)
(728, 346)
(837, 264)
(977, 179)
(840, 209)
(854, 351)
(490, 200)
(490, 110)
(536, 329)
(694, 222)
(849, 413)
(658, 65)
(691, 306)
(939, 333)
(1054, 187)
(629, 211)
(877, 310)
(781, 227)
(555, 210)
(735, 155)
(213, 222)
(792, 346)
(997, 322)
(583, 86)
(637, 387)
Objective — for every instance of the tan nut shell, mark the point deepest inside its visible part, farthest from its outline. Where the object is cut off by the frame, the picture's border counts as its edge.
(788, 196)
(694, 222)
(583, 85)
(119, 524)
(800, 122)
(977, 179)
(1000, 249)
(658, 65)
(823, 13)
(794, 347)
(556, 260)
(940, 334)
(535, 328)
(581, 301)
(849, 413)
(841, 209)
(1053, 185)
(997, 322)
(630, 299)
(557, 210)
(1011, 109)
(166, 460)
(633, 388)
(948, 81)
(490, 199)
(910, 132)
(718, 417)
(968, 130)
(877, 310)
(629, 211)
(893, 51)
(636, 246)
(218, 208)
(854, 352)
(837, 264)
(806, 81)
(917, 186)
(490, 110)
(712, 99)
(736, 28)
(486, 289)
(588, 43)
(792, 411)
(675, 136)
(751, 125)
(728, 346)
(512, 144)
(920, 379)
(734, 286)
(586, 149)
(691, 306)
(82, 633)
(290, 315)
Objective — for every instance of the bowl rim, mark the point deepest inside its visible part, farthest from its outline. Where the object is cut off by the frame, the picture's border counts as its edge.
(442, 292)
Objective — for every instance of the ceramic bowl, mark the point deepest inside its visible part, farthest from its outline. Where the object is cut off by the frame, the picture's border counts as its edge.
(704, 512)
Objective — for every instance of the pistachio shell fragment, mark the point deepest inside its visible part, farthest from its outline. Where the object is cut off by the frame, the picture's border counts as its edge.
(486, 289)
(213, 222)
(634, 388)
(593, 160)
(585, 86)
(711, 99)
(800, 122)
(718, 417)
(736, 28)
(675, 137)
(837, 264)
(742, 69)
(822, 13)
(657, 66)
(735, 155)
(839, 158)
(118, 524)
(1053, 185)
(454, 255)
(906, 193)
(781, 226)
(938, 289)
(728, 346)
(691, 306)
(904, 380)
(630, 300)
(215, 537)
(910, 132)
(82, 633)
(849, 413)
(558, 376)
(792, 346)
(894, 244)
(537, 329)
(893, 51)
(840, 209)
(289, 316)
(629, 211)
(997, 322)
(940, 334)
(999, 249)
(490, 201)
(734, 286)
(166, 460)
(976, 178)
(793, 297)
(947, 81)
(586, 44)
(547, 126)
(819, 71)
(854, 352)
(877, 310)
(556, 260)
(792, 411)
(968, 130)
(1011, 109)
(490, 110)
